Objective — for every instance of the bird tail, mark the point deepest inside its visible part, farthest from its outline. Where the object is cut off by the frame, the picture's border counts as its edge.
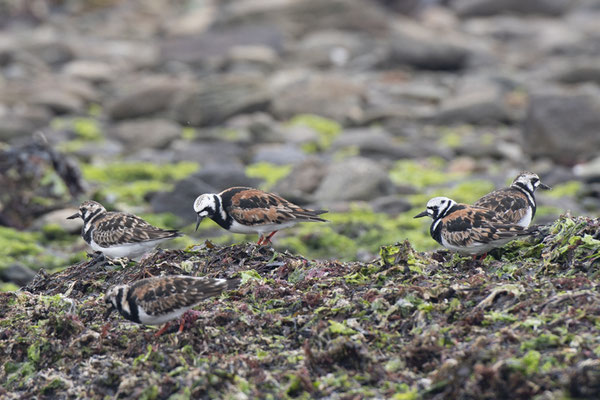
(310, 215)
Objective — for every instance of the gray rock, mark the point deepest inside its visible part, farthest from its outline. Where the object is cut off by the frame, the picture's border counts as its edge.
(217, 43)
(22, 121)
(477, 108)
(180, 200)
(19, 274)
(330, 95)
(59, 217)
(149, 96)
(279, 154)
(373, 143)
(331, 48)
(355, 178)
(588, 170)
(302, 181)
(58, 100)
(94, 71)
(154, 133)
(579, 72)
(421, 48)
(206, 153)
(563, 125)
(299, 17)
(221, 177)
(483, 8)
(52, 52)
(261, 127)
(221, 97)
(392, 205)
(244, 59)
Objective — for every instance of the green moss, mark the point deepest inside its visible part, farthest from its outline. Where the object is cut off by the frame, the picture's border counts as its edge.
(127, 172)
(16, 246)
(33, 352)
(87, 129)
(163, 220)
(130, 182)
(150, 393)
(422, 173)
(53, 386)
(269, 173)
(359, 228)
(8, 287)
(567, 189)
(54, 232)
(339, 328)
(189, 133)
(327, 129)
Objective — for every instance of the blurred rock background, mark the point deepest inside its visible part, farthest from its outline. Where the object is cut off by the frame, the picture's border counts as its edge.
(366, 108)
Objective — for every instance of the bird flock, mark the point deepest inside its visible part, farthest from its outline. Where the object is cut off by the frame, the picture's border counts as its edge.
(491, 222)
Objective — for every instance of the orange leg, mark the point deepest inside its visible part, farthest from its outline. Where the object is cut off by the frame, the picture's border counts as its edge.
(189, 316)
(105, 329)
(162, 330)
(268, 238)
(480, 257)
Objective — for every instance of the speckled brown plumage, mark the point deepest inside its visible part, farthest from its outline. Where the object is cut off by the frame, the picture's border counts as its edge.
(161, 295)
(508, 203)
(515, 204)
(254, 207)
(117, 228)
(248, 210)
(468, 229)
(158, 300)
(466, 225)
(118, 234)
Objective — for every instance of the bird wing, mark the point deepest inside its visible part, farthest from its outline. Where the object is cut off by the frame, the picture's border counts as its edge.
(467, 226)
(119, 228)
(255, 207)
(509, 204)
(161, 295)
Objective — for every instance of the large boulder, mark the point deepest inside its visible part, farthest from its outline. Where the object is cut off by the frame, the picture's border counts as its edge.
(563, 125)
(221, 97)
(484, 8)
(144, 133)
(355, 178)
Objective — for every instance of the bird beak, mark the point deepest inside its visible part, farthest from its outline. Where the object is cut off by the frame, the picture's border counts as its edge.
(109, 311)
(544, 186)
(421, 214)
(198, 220)
(76, 215)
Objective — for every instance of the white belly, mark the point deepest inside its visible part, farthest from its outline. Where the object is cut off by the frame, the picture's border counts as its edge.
(236, 227)
(526, 220)
(476, 248)
(132, 250)
(160, 319)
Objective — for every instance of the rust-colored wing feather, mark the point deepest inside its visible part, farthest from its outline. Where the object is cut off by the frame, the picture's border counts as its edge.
(255, 207)
(470, 225)
(118, 228)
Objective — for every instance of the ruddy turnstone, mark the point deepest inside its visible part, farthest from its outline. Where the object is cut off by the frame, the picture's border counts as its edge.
(516, 203)
(247, 210)
(468, 230)
(159, 300)
(118, 234)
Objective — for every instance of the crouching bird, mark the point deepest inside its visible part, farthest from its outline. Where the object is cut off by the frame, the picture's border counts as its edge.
(160, 300)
